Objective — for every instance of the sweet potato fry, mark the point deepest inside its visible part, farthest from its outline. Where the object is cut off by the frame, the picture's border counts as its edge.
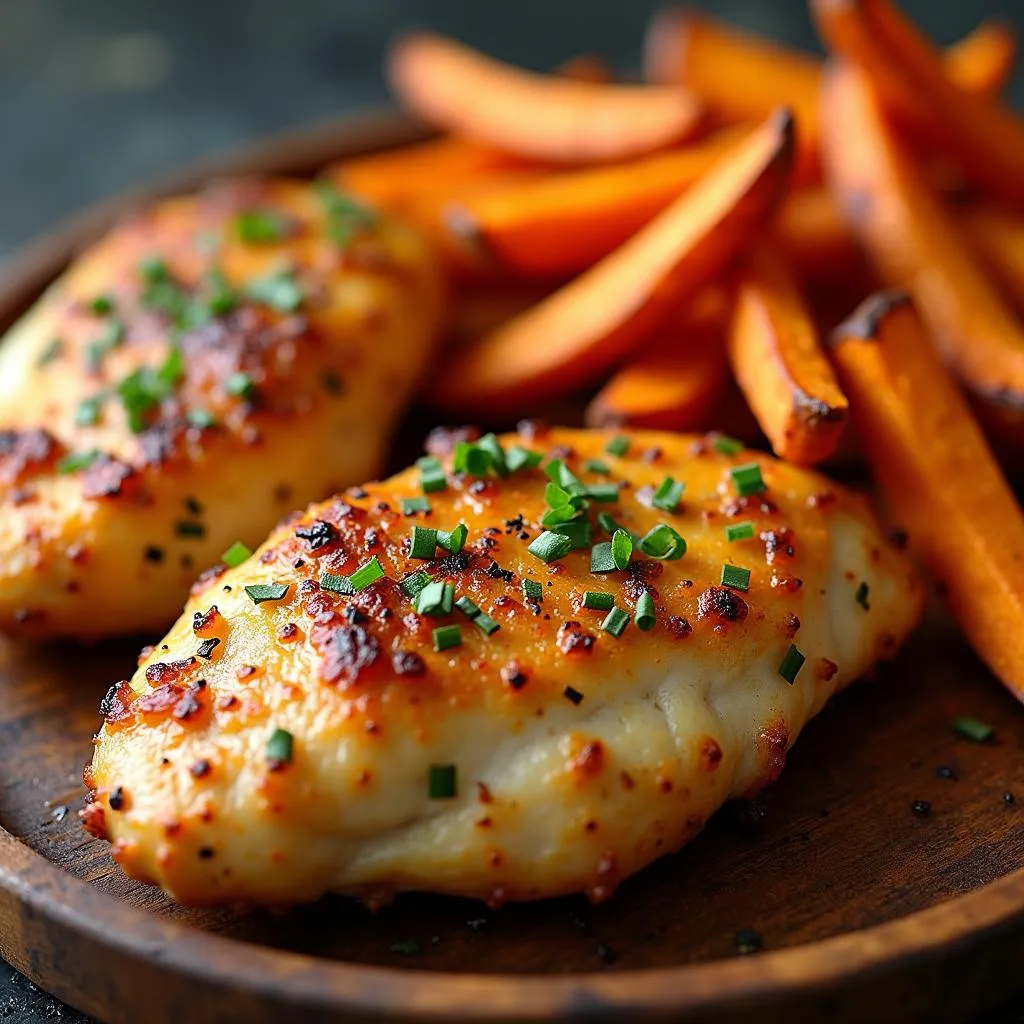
(985, 137)
(479, 308)
(938, 474)
(676, 383)
(740, 76)
(999, 237)
(541, 117)
(815, 236)
(586, 67)
(778, 363)
(914, 243)
(575, 335)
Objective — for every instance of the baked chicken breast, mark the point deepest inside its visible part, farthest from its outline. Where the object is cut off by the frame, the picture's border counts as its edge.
(214, 362)
(380, 701)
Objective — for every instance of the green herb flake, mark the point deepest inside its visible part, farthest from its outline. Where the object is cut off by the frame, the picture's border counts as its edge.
(791, 664)
(663, 543)
(345, 215)
(739, 531)
(607, 522)
(598, 600)
(260, 592)
(76, 461)
(454, 540)
(467, 607)
(432, 478)
(615, 622)
(668, 494)
(435, 599)
(367, 574)
(441, 780)
(617, 445)
(622, 549)
(577, 530)
(747, 479)
(413, 584)
(240, 385)
(201, 419)
(532, 590)
(646, 613)
(469, 459)
(549, 547)
(424, 542)
(597, 466)
(486, 624)
(54, 347)
(735, 577)
(259, 227)
(87, 413)
(410, 506)
(145, 388)
(517, 458)
(279, 290)
(280, 746)
(490, 444)
(102, 305)
(861, 596)
(601, 559)
(725, 445)
(972, 729)
(603, 492)
(235, 555)
(447, 637)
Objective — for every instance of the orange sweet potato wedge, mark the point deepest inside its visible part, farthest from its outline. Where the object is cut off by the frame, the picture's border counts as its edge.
(815, 237)
(938, 474)
(983, 135)
(914, 243)
(741, 76)
(583, 329)
(476, 308)
(778, 362)
(542, 117)
(999, 238)
(677, 381)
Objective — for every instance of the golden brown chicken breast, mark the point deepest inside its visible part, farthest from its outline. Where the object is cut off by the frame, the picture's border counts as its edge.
(211, 364)
(527, 669)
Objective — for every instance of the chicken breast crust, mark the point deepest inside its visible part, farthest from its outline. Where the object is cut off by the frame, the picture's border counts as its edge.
(212, 363)
(299, 730)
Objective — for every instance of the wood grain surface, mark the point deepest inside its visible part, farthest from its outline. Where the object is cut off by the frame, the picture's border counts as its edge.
(881, 873)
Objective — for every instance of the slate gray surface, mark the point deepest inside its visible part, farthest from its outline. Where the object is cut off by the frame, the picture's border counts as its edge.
(97, 95)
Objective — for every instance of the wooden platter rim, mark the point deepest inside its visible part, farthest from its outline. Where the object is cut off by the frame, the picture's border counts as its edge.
(41, 903)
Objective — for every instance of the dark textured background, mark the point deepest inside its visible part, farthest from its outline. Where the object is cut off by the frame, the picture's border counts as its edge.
(96, 95)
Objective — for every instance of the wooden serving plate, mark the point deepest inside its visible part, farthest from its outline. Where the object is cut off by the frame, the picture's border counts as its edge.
(868, 909)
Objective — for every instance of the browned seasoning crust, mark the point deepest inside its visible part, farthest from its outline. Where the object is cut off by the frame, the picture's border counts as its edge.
(213, 362)
(561, 756)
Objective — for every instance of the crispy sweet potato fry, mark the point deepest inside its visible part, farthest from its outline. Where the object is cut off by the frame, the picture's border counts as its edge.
(914, 243)
(815, 236)
(541, 117)
(676, 383)
(985, 137)
(778, 363)
(575, 335)
(938, 474)
(479, 308)
(586, 67)
(999, 238)
(741, 76)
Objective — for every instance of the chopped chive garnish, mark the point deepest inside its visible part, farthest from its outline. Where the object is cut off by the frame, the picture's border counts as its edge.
(336, 583)
(484, 622)
(577, 530)
(88, 412)
(470, 459)
(432, 476)
(862, 596)
(736, 577)
(726, 445)
(77, 460)
(424, 542)
(220, 297)
(517, 458)
(53, 349)
(599, 600)
(571, 694)
(453, 540)
(490, 444)
(971, 729)
(467, 607)
(240, 385)
(601, 559)
(413, 583)
(739, 531)
(278, 290)
(345, 215)
(200, 419)
(622, 549)
(646, 613)
(532, 590)
(413, 505)
(791, 664)
(549, 547)
(618, 445)
(101, 305)
(145, 388)
(747, 479)
(280, 747)
(441, 781)
(260, 226)
(556, 497)
(153, 270)
(260, 592)
(569, 481)
(608, 523)
(615, 622)
(553, 470)
(186, 528)
(435, 598)
(235, 555)
(446, 637)
(667, 496)
(597, 466)
(662, 542)
(368, 573)
(603, 492)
